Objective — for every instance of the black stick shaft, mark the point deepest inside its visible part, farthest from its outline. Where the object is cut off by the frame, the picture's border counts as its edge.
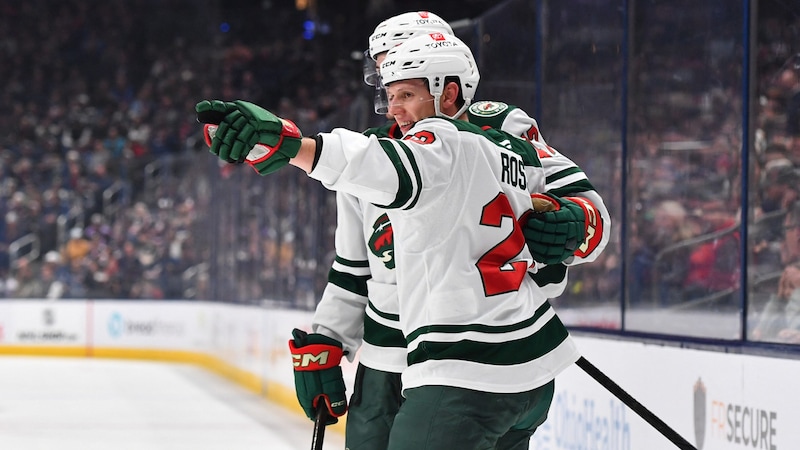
(319, 428)
(633, 404)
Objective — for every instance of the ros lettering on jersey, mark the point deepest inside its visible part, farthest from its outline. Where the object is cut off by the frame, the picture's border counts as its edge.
(513, 171)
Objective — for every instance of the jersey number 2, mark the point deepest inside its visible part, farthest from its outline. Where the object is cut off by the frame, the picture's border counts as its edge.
(498, 274)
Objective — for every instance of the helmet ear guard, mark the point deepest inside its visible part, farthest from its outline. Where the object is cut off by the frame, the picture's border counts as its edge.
(433, 57)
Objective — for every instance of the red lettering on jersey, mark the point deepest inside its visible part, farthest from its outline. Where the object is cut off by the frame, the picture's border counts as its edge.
(532, 134)
(547, 152)
(499, 272)
(424, 14)
(437, 37)
(422, 137)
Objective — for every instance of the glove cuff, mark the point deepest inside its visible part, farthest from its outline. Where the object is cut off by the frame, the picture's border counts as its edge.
(209, 130)
(312, 357)
(543, 203)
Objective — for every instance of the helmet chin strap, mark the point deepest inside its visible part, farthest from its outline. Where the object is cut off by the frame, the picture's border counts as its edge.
(438, 110)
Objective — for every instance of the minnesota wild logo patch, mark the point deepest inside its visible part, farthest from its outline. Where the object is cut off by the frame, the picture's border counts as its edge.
(381, 243)
(487, 108)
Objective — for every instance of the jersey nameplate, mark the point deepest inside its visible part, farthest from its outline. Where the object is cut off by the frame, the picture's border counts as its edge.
(487, 108)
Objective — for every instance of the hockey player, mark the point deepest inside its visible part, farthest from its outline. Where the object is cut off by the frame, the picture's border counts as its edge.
(360, 302)
(483, 343)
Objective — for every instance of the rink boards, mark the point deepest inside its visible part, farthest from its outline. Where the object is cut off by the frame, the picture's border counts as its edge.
(715, 400)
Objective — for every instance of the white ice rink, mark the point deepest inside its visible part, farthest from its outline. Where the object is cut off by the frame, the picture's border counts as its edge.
(101, 404)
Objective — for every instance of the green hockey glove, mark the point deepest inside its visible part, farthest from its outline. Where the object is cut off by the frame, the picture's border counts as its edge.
(555, 229)
(213, 111)
(251, 134)
(317, 374)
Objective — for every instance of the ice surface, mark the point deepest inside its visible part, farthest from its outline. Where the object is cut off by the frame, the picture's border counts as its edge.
(88, 404)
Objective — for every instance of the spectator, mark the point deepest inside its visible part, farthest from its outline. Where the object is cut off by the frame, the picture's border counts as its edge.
(713, 266)
(780, 319)
(77, 247)
(789, 82)
(50, 274)
(652, 267)
(129, 271)
(27, 282)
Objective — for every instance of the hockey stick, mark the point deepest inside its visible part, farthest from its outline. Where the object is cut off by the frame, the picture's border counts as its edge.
(319, 428)
(633, 404)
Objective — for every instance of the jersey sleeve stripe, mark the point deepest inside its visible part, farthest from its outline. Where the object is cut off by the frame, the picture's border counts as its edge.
(406, 188)
(571, 188)
(568, 173)
(382, 336)
(384, 315)
(351, 263)
(417, 176)
(357, 284)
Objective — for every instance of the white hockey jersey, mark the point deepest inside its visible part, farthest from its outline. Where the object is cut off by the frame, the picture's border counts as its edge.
(359, 304)
(470, 314)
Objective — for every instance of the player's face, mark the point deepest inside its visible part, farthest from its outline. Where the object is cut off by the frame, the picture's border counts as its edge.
(409, 102)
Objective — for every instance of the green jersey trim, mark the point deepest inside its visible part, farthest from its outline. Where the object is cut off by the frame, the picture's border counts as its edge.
(357, 284)
(350, 262)
(406, 188)
(415, 168)
(480, 328)
(381, 335)
(502, 139)
(519, 351)
(387, 316)
(577, 186)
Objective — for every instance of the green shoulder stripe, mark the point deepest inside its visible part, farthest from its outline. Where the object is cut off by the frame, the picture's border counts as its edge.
(500, 138)
(382, 131)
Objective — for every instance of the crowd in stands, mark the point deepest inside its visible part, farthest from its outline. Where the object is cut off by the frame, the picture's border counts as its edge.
(97, 95)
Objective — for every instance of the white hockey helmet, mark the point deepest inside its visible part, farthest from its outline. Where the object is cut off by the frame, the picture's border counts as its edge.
(434, 57)
(394, 30)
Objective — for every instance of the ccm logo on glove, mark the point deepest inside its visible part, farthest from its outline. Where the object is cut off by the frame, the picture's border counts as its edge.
(316, 357)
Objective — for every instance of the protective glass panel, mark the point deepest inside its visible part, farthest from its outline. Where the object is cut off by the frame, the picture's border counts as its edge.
(774, 229)
(684, 180)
